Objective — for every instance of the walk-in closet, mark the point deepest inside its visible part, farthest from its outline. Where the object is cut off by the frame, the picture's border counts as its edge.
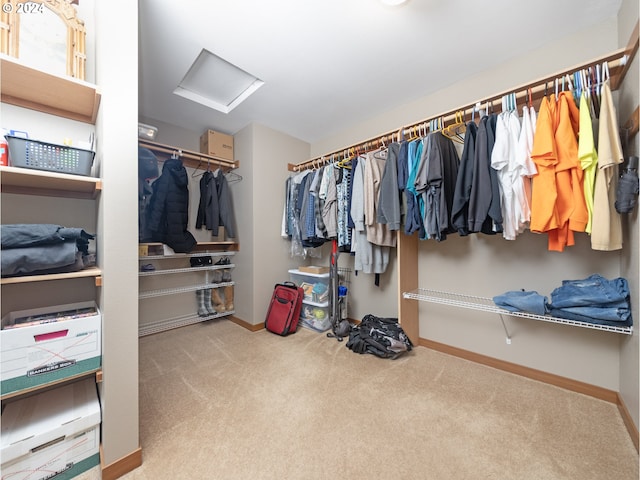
(464, 171)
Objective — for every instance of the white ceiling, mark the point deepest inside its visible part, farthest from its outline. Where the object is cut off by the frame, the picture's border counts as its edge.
(329, 64)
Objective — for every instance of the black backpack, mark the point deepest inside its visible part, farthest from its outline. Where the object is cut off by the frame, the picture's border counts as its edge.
(378, 336)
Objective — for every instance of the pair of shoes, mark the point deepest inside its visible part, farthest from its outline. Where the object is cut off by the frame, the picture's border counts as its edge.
(147, 267)
(201, 261)
(216, 301)
(224, 261)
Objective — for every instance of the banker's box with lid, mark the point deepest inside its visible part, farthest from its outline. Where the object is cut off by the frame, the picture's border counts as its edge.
(53, 434)
(315, 305)
(50, 346)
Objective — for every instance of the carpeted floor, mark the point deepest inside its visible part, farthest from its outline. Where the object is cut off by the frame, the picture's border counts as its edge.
(220, 402)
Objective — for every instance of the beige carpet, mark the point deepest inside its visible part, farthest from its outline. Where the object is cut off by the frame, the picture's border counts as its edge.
(220, 402)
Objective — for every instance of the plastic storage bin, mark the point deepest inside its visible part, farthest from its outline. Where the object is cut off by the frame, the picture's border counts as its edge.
(28, 153)
(315, 312)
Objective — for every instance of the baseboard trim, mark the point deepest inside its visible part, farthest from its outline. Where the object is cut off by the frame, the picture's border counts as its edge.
(249, 326)
(545, 377)
(120, 467)
(628, 422)
(557, 380)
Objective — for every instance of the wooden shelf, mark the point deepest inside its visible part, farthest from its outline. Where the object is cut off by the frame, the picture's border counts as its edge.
(86, 273)
(190, 158)
(53, 184)
(199, 248)
(30, 88)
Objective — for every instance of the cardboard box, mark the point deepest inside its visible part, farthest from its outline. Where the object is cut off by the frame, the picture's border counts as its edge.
(41, 353)
(314, 269)
(52, 434)
(217, 144)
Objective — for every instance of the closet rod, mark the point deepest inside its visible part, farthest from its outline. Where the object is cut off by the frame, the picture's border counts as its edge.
(189, 155)
(616, 62)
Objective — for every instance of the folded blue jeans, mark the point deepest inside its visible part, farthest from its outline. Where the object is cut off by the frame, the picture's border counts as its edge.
(593, 299)
(521, 301)
(593, 290)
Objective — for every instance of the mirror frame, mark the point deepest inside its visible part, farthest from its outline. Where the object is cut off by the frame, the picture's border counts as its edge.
(64, 9)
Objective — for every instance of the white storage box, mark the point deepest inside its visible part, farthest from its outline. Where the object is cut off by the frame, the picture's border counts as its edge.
(54, 434)
(45, 350)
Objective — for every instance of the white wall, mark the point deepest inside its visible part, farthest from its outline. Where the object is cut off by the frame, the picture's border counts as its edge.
(485, 266)
(272, 151)
(628, 101)
(117, 153)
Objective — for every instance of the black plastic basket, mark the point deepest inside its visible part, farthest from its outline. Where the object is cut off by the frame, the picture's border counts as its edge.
(29, 153)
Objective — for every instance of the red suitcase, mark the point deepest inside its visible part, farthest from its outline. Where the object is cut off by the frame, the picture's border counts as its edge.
(284, 309)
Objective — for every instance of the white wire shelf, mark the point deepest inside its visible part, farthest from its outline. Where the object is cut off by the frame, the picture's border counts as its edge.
(169, 271)
(487, 305)
(182, 321)
(190, 288)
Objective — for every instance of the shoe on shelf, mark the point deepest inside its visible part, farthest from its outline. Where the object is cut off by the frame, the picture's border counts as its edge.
(147, 267)
(224, 261)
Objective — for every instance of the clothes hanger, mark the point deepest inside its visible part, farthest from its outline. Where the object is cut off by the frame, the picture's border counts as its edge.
(457, 128)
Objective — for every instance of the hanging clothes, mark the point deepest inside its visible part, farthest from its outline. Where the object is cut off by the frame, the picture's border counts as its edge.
(462, 193)
(588, 157)
(607, 226)
(343, 186)
(377, 233)
(484, 201)
(525, 167)
(388, 212)
(413, 219)
(570, 206)
(436, 179)
(215, 208)
(545, 157)
(369, 258)
(503, 161)
(168, 212)
(330, 208)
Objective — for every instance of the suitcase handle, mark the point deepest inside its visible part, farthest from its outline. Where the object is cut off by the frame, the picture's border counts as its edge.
(289, 284)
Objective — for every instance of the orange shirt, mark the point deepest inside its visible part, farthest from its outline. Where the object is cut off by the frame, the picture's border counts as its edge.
(544, 216)
(571, 206)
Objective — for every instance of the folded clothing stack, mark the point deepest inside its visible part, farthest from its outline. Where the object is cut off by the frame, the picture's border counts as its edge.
(594, 299)
(40, 248)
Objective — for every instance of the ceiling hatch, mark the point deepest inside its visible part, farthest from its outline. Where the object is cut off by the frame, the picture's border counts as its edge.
(216, 83)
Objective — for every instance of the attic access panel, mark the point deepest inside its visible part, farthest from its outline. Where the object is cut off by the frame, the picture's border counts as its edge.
(217, 83)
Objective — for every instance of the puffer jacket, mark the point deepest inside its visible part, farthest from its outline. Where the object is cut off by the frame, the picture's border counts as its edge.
(168, 212)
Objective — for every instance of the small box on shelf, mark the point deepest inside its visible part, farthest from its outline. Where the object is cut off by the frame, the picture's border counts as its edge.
(46, 345)
(217, 144)
(313, 269)
(56, 432)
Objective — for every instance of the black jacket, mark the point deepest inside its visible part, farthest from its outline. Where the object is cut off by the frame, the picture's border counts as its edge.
(168, 212)
(215, 209)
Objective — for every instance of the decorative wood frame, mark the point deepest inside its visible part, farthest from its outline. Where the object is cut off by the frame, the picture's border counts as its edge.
(64, 9)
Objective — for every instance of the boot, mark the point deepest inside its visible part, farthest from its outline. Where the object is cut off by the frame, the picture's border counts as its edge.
(202, 308)
(206, 294)
(226, 275)
(228, 298)
(218, 303)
